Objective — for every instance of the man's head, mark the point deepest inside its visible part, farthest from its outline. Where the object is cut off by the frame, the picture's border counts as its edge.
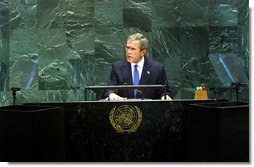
(136, 47)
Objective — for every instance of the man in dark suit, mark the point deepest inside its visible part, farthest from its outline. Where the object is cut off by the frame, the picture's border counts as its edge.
(138, 69)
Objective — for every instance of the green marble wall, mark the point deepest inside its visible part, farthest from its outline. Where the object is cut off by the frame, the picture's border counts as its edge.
(51, 49)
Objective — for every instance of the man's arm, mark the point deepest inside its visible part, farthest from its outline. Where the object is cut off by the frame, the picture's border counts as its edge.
(162, 79)
(113, 80)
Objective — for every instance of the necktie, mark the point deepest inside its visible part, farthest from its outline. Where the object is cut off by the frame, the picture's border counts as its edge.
(136, 78)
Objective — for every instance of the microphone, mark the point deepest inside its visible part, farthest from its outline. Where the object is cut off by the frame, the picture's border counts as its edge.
(14, 90)
(139, 91)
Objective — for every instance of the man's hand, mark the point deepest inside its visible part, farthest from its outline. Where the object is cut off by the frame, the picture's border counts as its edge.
(167, 97)
(114, 96)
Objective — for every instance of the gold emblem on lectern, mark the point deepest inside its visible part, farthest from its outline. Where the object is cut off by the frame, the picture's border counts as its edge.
(125, 118)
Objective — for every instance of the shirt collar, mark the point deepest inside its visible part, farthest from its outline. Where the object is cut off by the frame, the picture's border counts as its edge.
(140, 63)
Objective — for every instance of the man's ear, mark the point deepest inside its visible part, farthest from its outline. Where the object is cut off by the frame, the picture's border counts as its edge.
(143, 51)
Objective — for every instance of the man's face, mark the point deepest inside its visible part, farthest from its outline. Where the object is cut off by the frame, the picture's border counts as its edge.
(133, 52)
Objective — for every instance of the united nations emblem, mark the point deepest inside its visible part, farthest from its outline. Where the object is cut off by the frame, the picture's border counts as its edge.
(125, 118)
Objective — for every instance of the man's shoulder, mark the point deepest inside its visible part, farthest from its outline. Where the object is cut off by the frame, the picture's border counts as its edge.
(154, 62)
(120, 62)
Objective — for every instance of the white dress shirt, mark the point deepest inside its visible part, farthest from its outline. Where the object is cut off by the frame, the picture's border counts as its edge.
(140, 67)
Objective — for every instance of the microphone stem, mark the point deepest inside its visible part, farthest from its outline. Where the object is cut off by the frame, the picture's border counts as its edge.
(142, 98)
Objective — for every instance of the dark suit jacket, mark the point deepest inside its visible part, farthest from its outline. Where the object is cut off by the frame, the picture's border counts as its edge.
(153, 74)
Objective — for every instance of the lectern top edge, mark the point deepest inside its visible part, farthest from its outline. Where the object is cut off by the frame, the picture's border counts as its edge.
(124, 86)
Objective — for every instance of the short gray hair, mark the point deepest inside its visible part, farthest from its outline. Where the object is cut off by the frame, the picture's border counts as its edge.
(141, 38)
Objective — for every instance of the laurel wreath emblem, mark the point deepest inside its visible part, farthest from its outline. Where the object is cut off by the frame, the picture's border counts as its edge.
(125, 118)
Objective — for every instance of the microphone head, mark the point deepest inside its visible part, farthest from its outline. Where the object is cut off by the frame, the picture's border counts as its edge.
(15, 89)
(141, 93)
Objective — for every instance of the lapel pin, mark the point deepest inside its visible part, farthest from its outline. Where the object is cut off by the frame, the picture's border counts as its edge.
(148, 72)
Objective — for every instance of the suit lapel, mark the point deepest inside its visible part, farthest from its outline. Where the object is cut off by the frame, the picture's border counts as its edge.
(127, 77)
(146, 72)
(126, 73)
